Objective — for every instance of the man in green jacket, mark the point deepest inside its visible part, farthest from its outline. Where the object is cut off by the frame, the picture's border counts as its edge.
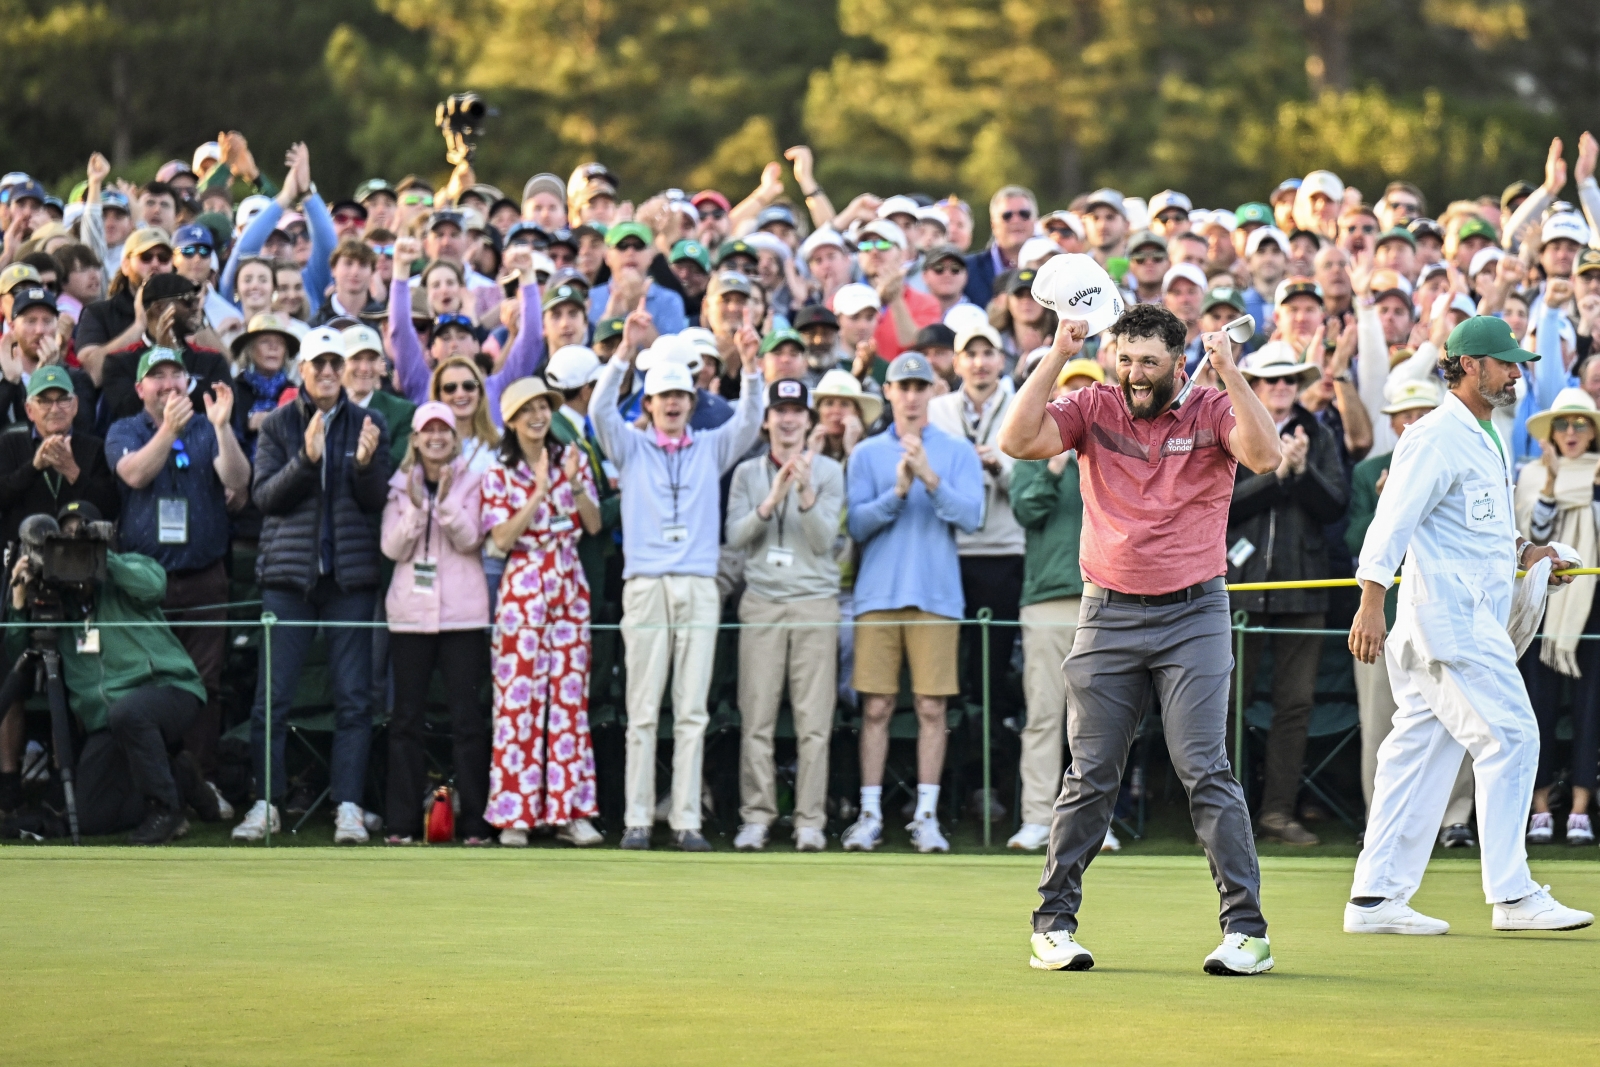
(134, 689)
(1046, 502)
(1408, 401)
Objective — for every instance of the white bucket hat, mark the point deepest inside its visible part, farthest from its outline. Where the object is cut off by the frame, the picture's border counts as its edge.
(1074, 286)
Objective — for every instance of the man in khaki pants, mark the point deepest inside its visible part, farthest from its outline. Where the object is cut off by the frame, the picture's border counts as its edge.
(1046, 502)
(783, 514)
(670, 604)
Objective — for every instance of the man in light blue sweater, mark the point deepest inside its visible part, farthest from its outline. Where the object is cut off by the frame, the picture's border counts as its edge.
(669, 478)
(911, 489)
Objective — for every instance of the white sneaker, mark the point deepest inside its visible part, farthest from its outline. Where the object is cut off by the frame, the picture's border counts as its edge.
(1390, 917)
(1541, 828)
(1059, 951)
(1539, 911)
(512, 837)
(578, 832)
(809, 839)
(254, 826)
(224, 809)
(925, 835)
(752, 837)
(1579, 832)
(1029, 838)
(350, 825)
(864, 835)
(1240, 954)
(1111, 844)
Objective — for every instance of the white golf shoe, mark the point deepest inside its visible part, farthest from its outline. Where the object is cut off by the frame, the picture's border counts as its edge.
(254, 826)
(350, 824)
(1058, 950)
(1390, 917)
(1240, 954)
(1111, 843)
(926, 835)
(1030, 837)
(752, 837)
(1539, 911)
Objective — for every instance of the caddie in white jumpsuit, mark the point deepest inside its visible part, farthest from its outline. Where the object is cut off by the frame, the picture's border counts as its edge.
(1447, 511)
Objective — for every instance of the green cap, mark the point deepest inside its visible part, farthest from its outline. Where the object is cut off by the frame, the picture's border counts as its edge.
(157, 354)
(1400, 233)
(691, 250)
(1485, 335)
(1223, 294)
(778, 337)
(53, 376)
(565, 294)
(1476, 227)
(616, 233)
(1254, 213)
(606, 329)
(733, 248)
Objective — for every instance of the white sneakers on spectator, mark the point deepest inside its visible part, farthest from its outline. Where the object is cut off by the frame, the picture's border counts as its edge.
(579, 832)
(512, 837)
(254, 826)
(1579, 832)
(1059, 951)
(925, 835)
(752, 837)
(864, 835)
(350, 824)
(809, 839)
(1541, 828)
(1539, 911)
(1111, 843)
(225, 810)
(1390, 917)
(1030, 837)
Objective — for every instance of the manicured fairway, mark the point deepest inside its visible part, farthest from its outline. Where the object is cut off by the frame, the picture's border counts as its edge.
(412, 956)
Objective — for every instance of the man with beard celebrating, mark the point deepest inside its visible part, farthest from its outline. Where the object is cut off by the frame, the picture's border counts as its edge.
(1156, 482)
(1447, 512)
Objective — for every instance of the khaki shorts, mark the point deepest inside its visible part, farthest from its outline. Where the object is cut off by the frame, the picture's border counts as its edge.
(930, 645)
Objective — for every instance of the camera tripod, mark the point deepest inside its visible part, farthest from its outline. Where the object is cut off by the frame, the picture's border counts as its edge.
(42, 660)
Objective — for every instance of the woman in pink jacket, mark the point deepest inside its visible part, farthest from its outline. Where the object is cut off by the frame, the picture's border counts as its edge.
(438, 607)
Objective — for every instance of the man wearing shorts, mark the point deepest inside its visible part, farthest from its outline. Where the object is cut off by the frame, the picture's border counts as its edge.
(1156, 482)
(910, 489)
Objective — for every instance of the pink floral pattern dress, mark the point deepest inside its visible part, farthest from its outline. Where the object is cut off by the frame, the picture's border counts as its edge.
(541, 772)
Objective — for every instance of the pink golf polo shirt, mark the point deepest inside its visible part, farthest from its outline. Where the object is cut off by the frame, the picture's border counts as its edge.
(1155, 491)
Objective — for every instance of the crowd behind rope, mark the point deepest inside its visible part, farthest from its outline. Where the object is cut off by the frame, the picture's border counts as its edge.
(488, 421)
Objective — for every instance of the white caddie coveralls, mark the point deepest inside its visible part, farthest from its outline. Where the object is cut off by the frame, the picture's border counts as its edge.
(1446, 509)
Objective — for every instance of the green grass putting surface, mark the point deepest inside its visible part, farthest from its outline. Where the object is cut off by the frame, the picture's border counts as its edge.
(418, 956)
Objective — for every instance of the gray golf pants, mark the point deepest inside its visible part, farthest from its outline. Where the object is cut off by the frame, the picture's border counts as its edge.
(1121, 652)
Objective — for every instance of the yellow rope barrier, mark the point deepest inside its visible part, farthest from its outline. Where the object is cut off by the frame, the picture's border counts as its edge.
(1346, 583)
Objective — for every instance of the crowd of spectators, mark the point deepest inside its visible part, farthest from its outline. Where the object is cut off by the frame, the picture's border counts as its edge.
(472, 424)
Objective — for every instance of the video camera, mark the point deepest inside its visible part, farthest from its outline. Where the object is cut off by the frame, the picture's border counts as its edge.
(460, 118)
(64, 567)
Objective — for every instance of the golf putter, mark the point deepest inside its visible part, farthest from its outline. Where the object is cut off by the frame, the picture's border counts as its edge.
(1239, 331)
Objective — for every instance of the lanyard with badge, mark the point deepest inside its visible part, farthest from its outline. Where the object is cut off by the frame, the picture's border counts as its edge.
(675, 532)
(425, 571)
(778, 555)
(172, 512)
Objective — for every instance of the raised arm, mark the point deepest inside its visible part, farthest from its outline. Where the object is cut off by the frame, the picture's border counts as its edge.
(1029, 432)
(410, 364)
(528, 347)
(1254, 439)
(318, 275)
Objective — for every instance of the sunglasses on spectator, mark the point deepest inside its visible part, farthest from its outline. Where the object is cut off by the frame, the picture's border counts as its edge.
(948, 267)
(156, 255)
(451, 388)
(712, 213)
(193, 251)
(383, 250)
(630, 244)
(348, 216)
(1409, 207)
(298, 236)
(874, 246)
(1148, 257)
(417, 200)
(1022, 213)
(1563, 425)
(1175, 215)
(1366, 227)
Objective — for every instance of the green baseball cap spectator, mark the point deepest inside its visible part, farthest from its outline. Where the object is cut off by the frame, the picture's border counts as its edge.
(1476, 227)
(616, 233)
(565, 294)
(370, 187)
(155, 355)
(693, 251)
(1397, 233)
(728, 249)
(606, 329)
(778, 337)
(1223, 294)
(1254, 213)
(1485, 335)
(53, 376)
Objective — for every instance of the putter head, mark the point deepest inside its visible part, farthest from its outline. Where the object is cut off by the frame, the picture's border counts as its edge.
(1241, 329)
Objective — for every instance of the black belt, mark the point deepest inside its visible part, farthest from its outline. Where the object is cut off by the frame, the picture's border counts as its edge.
(1160, 600)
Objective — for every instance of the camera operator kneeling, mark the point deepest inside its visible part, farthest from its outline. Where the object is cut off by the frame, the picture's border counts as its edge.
(134, 690)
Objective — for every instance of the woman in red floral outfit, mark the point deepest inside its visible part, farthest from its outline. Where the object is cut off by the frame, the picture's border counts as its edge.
(537, 499)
